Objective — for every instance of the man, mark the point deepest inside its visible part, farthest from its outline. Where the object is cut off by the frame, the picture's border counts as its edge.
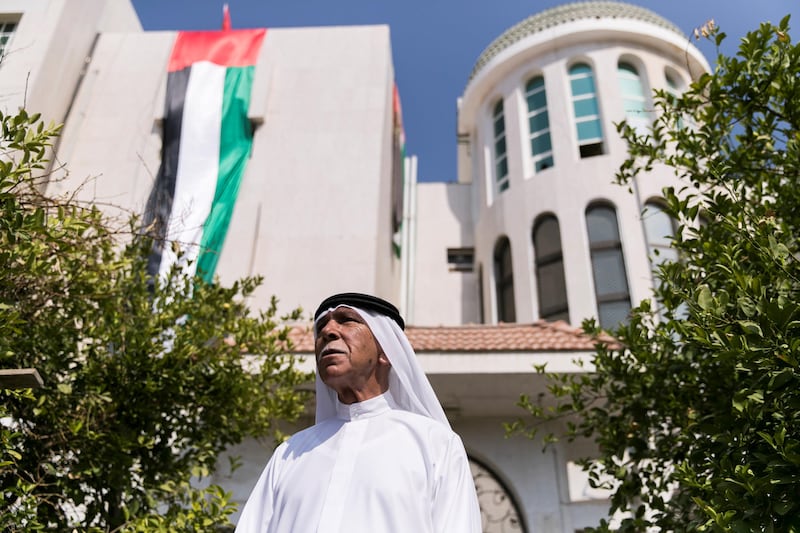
(381, 457)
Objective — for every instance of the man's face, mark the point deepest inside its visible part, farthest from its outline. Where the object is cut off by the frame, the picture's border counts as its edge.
(348, 356)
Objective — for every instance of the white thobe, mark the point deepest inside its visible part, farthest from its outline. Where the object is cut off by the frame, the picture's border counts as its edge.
(371, 469)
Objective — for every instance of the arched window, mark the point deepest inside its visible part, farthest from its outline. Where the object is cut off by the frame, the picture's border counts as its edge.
(634, 99)
(500, 158)
(550, 282)
(659, 228)
(675, 89)
(539, 124)
(499, 511)
(608, 266)
(504, 281)
(586, 109)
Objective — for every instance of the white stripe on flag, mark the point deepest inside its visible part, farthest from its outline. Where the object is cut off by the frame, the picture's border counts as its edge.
(198, 164)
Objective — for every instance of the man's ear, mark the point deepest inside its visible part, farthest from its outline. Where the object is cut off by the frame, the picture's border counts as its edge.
(383, 359)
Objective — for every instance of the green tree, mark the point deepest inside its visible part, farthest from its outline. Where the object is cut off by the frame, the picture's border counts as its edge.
(696, 412)
(145, 384)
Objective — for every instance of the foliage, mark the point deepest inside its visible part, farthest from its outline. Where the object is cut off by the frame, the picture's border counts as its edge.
(696, 412)
(145, 382)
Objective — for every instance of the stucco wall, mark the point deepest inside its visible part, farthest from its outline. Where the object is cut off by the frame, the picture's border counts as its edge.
(46, 57)
(313, 213)
(443, 296)
(573, 183)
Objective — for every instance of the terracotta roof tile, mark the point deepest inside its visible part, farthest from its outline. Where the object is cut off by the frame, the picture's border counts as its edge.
(541, 336)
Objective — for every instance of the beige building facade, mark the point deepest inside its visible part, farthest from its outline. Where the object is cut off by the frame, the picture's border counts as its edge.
(493, 269)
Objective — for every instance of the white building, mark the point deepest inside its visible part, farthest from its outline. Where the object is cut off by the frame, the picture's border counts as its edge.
(533, 231)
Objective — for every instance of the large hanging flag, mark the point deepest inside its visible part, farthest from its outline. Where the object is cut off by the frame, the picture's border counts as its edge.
(398, 172)
(206, 143)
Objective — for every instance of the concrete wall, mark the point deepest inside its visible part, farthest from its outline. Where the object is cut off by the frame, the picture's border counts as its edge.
(313, 212)
(443, 296)
(46, 58)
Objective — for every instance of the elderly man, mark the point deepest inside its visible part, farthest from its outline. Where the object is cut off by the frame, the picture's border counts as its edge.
(381, 457)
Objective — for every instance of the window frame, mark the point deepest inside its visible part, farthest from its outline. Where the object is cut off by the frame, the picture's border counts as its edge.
(637, 114)
(504, 281)
(499, 160)
(590, 146)
(544, 159)
(559, 310)
(599, 249)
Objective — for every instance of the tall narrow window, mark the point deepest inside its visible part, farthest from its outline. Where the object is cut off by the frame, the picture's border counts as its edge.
(634, 100)
(675, 90)
(672, 85)
(659, 228)
(500, 159)
(539, 124)
(550, 281)
(504, 281)
(608, 266)
(6, 32)
(587, 110)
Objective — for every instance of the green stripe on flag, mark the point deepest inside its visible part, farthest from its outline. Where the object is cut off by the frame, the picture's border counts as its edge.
(236, 140)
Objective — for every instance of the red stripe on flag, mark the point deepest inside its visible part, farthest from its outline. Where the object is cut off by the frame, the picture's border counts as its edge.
(233, 48)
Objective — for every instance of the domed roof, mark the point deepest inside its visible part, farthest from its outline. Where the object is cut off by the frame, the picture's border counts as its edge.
(568, 13)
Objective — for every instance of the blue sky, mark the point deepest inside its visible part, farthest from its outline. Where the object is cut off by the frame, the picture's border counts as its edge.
(436, 42)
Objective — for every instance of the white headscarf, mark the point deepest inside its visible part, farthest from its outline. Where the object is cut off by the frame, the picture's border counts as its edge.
(408, 384)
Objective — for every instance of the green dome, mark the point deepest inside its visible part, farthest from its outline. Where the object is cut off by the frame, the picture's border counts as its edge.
(568, 13)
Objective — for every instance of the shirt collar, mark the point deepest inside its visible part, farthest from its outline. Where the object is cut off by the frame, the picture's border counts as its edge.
(367, 408)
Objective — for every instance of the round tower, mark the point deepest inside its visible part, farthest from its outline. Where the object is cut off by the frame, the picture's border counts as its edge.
(555, 238)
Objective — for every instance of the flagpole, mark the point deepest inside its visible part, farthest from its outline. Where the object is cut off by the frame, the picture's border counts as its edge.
(226, 18)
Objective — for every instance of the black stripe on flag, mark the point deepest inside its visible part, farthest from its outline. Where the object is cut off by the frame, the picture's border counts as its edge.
(159, 204)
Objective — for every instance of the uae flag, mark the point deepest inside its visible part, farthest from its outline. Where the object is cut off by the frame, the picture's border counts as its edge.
(398, 172)
(207, 139)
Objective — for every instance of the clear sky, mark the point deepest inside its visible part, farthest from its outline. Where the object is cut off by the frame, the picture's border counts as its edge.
(435, 44)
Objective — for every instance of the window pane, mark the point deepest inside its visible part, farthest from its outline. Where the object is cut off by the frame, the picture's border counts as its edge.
(552, 287)
(546, 238)
(498, 108)
(609, 273)
(634, 107)
(537, 101)
(539, 122)
(589, 130)
(611, 314)
(504, 280)
(541, 144)
(500, 147)
(507, 311)
(672, 84)
(586, 108)
(627, 69)
(659, 254)
(602, 224)
(502, 168)
(631, 87)
(534, 84)
(658, 226)
(499, 126)
(545, 162)
(580, 68)
(582, 86)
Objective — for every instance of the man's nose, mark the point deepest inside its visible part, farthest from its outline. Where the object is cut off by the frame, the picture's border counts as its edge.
(330, 330)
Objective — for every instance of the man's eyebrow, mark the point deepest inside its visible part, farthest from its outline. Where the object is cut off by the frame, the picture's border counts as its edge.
(321, 321)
